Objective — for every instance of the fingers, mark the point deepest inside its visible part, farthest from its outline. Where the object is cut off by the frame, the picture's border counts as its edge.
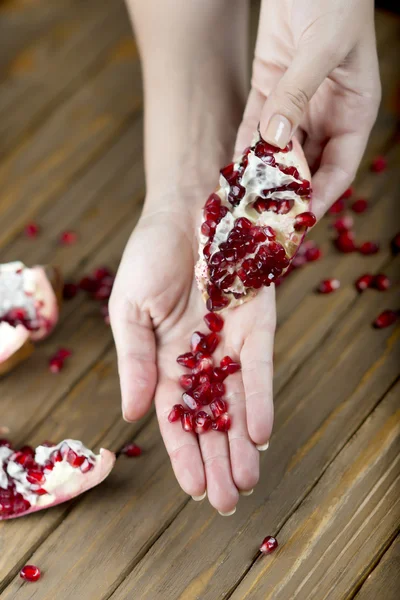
(251, 117)
(182, 447)
(136, 352)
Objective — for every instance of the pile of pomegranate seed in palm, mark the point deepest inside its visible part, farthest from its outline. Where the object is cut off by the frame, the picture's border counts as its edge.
(204, 406)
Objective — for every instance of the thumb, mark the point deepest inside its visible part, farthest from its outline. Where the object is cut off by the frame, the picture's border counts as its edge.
(285, 107)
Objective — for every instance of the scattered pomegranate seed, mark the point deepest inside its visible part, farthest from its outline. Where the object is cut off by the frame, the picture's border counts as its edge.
(103, 293)
(269, 545)
(312, 254)
(343, 224)
(395, 244)
(304, 220)
(385, 319)
(345, 242)
(131, 450)
(328, 286)
(70, 290)
(347, 194)
(32, 230)
(176, 413)
(381, 282)
(30, 573)
(379, 164)
(56, 364)
(337, 207)
(369, 248)
(63, 353)
(359, 206)
(68, 238)
(101, 272)
(88, 284)
(214, 322)
(364, 282)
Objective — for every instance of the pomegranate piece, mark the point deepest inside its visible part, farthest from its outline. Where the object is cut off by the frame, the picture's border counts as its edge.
(385, 319)
(381, 282)
(48, 475)
(395, 244)
(176, 413)
(222, 423)
(30, 573)
(364, 282)
(68, 238)
(202, 422)
(345, 242)
(70, 290)
(328, 286)
(304, 220)
(343, 224)
(214, 322)
(359, 206)
(32, 230)
(369, 248)
(187, 360)
(379, 164)
(268, 545)
(131, 450)
(187, 421)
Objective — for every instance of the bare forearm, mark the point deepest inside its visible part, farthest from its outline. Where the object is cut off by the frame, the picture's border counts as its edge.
(194, 57)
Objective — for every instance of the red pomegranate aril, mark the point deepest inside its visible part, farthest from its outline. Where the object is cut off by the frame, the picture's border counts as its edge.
(187, 381)
(68, 238)
(56, 364)
(268, 545)
(337, 207)
(395, 244)
(218, 407)
(343, 224)
(187, 360)
(385, 319)
(56, 456)
(208, 228)
(222, 423)
(203, 365)
(219, 374)
(202, 422)
(368, 248)
(63, 353)
(379, 164)
(103, 293)
(304, 220)
(88, 284)
(313, 254)
(243, 224)
(190, 401)
(176, 413)
(202, 393)
(381, 282)
(328, 286)
(34, 476)
(70, 290)
(364, 282)
(73, 459)
(30, 573)
(132, 450)
(196, 342)
(101, 273)
(214, 322)
(347, 194)
(359, 206)
(187, 421)
(345, 242)
(217, 303)
(217, 389)
(211, 342)
(32, 230)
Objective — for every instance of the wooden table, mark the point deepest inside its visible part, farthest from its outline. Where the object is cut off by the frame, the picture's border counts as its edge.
(71, 158)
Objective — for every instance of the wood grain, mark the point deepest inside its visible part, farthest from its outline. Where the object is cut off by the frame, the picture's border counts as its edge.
(385, 578)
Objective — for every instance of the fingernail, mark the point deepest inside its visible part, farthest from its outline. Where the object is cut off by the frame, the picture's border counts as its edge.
(227, 514)
(199, 498)
(246, 492)
(263, 447)
(278, 131)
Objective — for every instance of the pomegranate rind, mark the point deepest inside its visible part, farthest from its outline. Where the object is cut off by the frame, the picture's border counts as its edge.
(282, 224)
(15, 346)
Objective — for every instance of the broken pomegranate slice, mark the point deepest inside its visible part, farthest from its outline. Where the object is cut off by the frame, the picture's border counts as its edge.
(33, 480)
(260, 213)
(29, 305)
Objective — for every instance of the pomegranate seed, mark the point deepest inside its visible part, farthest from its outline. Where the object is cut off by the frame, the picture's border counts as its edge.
(4, 442)
(347, 194)
(187, 421)
(73, 459)
(187, 381)
(56, 364)
(218, 407)
(131, 450)
(343, 224)
(369, 248)
(103, 293)
(359, 206)
(88, 284)
(345, 242)
(196, 342)
(212, 341)
(229, 366)
(304, 220)
(30, 573)
(337, 207)
(176, 413)
(34, 476)
(202, 422)
(70, 290)
(385, 319)
(364, 282)
(32, 230)
(217, 390)
(187, 360)
(214, 322)
(379, 164)
(269, 545)
(218, 374)
(86, 466)
(202, 393)
(381, 282)
(222, 423)
(395, 244)
(312, 254)
(101, 272)
(68, 238)
(190, 401)
(63, 353)
(203, 365)
(208, 228)
(243, 224)
(328, 286)
(56, 456)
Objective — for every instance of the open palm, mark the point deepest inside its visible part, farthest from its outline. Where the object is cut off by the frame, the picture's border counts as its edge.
(154, 309)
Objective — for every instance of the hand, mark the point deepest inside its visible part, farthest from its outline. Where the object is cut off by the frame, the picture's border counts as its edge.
(154, 309)
(316, 72)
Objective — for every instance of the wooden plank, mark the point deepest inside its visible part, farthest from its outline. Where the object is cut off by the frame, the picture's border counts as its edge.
(343, 526)
(385, 578)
